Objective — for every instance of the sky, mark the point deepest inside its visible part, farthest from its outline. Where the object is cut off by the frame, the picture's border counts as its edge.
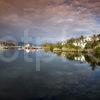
(49, 19)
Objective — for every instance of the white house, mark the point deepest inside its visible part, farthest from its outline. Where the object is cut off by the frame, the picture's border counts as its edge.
(83, 42)
(80, 44)
(87, 39)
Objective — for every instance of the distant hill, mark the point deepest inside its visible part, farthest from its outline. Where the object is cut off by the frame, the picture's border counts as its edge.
(7, 43)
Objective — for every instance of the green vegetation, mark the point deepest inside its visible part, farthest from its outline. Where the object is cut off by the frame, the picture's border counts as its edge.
(81, 43)
(81, 49)
(97, 49)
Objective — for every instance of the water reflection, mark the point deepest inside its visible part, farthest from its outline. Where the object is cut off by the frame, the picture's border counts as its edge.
(92, 59)
(57, 80)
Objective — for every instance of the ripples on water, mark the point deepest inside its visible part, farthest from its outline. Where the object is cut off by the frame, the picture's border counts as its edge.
(62, 76)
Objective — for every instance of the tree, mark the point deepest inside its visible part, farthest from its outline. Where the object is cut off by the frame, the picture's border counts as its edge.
(71, 41)
(82, 38)
(94, 37)
(98, 36)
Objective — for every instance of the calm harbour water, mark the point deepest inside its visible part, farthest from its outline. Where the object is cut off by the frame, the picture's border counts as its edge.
(62, 76)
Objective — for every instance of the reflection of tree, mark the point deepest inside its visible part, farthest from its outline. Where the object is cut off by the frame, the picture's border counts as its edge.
(70, 55)
(58, 53)
(88, 59)
(46, 50)
(93, 65)
(92, 60)
(98, 63)
(97, 55)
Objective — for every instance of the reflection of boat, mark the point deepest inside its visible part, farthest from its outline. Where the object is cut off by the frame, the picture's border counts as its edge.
(27, 50)
(20, 48)
(30, 50)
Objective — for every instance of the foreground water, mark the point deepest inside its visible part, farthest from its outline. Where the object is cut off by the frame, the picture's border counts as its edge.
(49, 76)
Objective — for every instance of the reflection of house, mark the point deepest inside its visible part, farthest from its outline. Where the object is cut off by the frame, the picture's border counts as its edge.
(80, 58)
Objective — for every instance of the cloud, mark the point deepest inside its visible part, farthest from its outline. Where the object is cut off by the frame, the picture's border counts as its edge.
(51, 18)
